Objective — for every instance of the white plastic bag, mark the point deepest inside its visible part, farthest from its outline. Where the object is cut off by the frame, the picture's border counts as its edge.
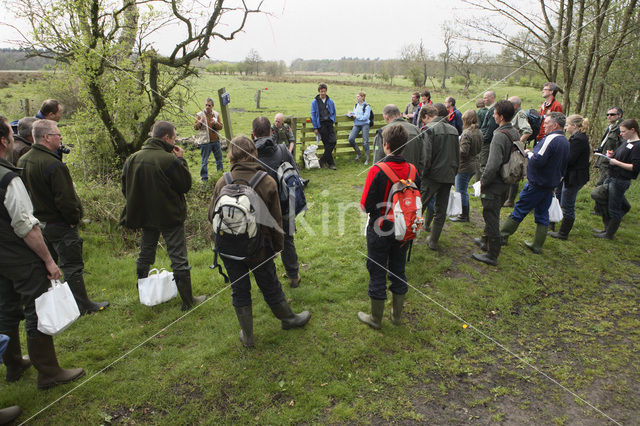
(555, 212)
(311, 158)
(157, 288)
(454, 207)
(56, 309)
(476, 189)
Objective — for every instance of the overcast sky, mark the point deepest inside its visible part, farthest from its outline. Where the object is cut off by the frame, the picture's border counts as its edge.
(321, 29)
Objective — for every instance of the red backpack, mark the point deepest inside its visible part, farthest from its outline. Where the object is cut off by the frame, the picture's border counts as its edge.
(404, 205)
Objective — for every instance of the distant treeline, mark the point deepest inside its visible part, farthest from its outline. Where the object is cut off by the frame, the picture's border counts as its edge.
(16, 59)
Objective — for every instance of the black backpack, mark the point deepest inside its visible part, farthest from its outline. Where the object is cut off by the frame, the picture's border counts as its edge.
(290, 186)
(364, 106)
(535, 121)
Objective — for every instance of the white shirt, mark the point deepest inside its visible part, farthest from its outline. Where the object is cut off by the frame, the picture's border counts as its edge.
(20, 208)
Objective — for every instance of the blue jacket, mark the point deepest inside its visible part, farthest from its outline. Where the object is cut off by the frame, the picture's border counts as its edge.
(455, 119)
(361, 114)
(315, 115)
(548, 161)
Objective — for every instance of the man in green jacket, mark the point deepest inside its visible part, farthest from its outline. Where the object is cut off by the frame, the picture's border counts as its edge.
(414, 150)
(57, 207)
(154, 182)
(442, 149)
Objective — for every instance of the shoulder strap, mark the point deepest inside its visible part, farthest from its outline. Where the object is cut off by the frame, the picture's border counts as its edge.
(228, 178)
(504, 132)
(255, 180)
(388, 171)
(412, 172)
(6, 179)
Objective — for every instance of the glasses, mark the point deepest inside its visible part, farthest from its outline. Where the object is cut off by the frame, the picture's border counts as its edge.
(610, 114)
(54, 134)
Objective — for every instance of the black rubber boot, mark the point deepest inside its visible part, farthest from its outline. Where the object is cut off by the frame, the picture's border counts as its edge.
(396, 308)
(428, 219)
(491, 257)
(289, 320)
(565, 228)
(538, 240)
(183, 282)
(245, 318)
(13, 359)
(142, 271)
(481, 242)
(9, 414)
(375, 319)
(85, 305)
(463, 217)
(43, 357)
(611, 230)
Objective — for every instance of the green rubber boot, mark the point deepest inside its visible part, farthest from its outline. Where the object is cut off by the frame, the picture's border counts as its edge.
(396, 308)
(375, 319)
(508, 228)
(538, 240)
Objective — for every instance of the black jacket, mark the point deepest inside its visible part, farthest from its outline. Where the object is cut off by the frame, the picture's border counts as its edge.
(577, 173)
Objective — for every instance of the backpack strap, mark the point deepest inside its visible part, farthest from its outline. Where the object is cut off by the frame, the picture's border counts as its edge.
(255, 180)
(228, 178)
(412, 172)
(388, 171)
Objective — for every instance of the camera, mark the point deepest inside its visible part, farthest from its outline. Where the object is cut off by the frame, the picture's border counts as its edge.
(62, 150)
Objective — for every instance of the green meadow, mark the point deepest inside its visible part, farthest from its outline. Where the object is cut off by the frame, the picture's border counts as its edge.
(541, 339)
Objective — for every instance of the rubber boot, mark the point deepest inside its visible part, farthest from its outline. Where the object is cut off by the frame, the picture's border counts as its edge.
(396, 308)
(428, 219)
(481, 242)
(432, 239)
(43, 357)
(463, 217)
(85, 305)
(538, 240)
(491, 257)
(9, 414)
(356, 148)
(366, 157)
(605, 222)
(565, 228)
(13, 359)
(289, 320)
(142, 271)
(511, 197)
(183, 282)
(295, 281)
(508, 228)
(245, 318)
(375, 319)
(611, 230)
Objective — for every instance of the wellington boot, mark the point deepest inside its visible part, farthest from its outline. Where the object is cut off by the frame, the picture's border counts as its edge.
(12, 357)
(357, 150)
(245, 318)
(43, 356)
(396, 308)
(565, 228)
(289, 320)
(375, 319)
(508, 228)
(183, 282)
(611, 230)
(9, 414)
(434, 236)
(481, 242)
(463, 217)
(366, 158)
(295, 281)
(538, 240)
(85, 305)
(428, 219)
(491, 257)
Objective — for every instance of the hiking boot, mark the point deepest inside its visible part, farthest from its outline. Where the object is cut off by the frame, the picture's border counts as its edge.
(43, 357)
(289, 320)
(14, 361)
(332, 166)
(396, 308)
(375, 319)
(245, 319)
(462, 217)
(481, 242)
(538, 240)
(183, 282)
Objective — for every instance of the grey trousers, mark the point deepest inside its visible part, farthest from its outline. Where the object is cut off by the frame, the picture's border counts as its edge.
(176, 247)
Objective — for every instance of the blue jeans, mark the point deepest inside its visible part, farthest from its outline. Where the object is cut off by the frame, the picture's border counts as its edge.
(617, 188)
(567, 197)
(536, 199)
(355, 131)
(462, 186)
(205, 152)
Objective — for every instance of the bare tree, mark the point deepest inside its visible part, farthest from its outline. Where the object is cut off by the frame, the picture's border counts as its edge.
(415, 59)
(253, 61)
(466, 63)
(447, 38)
(106, 44)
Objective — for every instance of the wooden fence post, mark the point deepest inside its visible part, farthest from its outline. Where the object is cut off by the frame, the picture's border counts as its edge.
(257, 98)
(26, 108)
(226, 117)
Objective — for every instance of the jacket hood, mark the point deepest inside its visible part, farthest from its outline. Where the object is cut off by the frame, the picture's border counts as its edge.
(155, 143)
(265, 143)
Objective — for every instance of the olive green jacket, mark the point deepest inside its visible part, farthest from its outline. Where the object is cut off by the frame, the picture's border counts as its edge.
(491, 183)
(442, 152)
(154, 183)
(414, 151)
(49, 183)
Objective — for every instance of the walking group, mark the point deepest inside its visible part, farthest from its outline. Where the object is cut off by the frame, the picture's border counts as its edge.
(417, 157)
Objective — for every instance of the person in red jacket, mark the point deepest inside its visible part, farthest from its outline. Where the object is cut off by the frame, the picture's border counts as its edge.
(384, 252)
(549, 105)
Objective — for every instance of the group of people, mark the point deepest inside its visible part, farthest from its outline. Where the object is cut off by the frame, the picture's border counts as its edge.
(431, 144)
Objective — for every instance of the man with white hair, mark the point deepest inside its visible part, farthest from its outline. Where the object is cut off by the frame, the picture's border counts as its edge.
(282, 133)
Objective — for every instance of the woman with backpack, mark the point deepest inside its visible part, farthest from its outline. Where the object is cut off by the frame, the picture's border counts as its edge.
(248, 179)
(577, 174)
(361, 114)
(470, 145)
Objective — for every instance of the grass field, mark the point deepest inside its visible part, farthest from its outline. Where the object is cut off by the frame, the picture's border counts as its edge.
(534, 341)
